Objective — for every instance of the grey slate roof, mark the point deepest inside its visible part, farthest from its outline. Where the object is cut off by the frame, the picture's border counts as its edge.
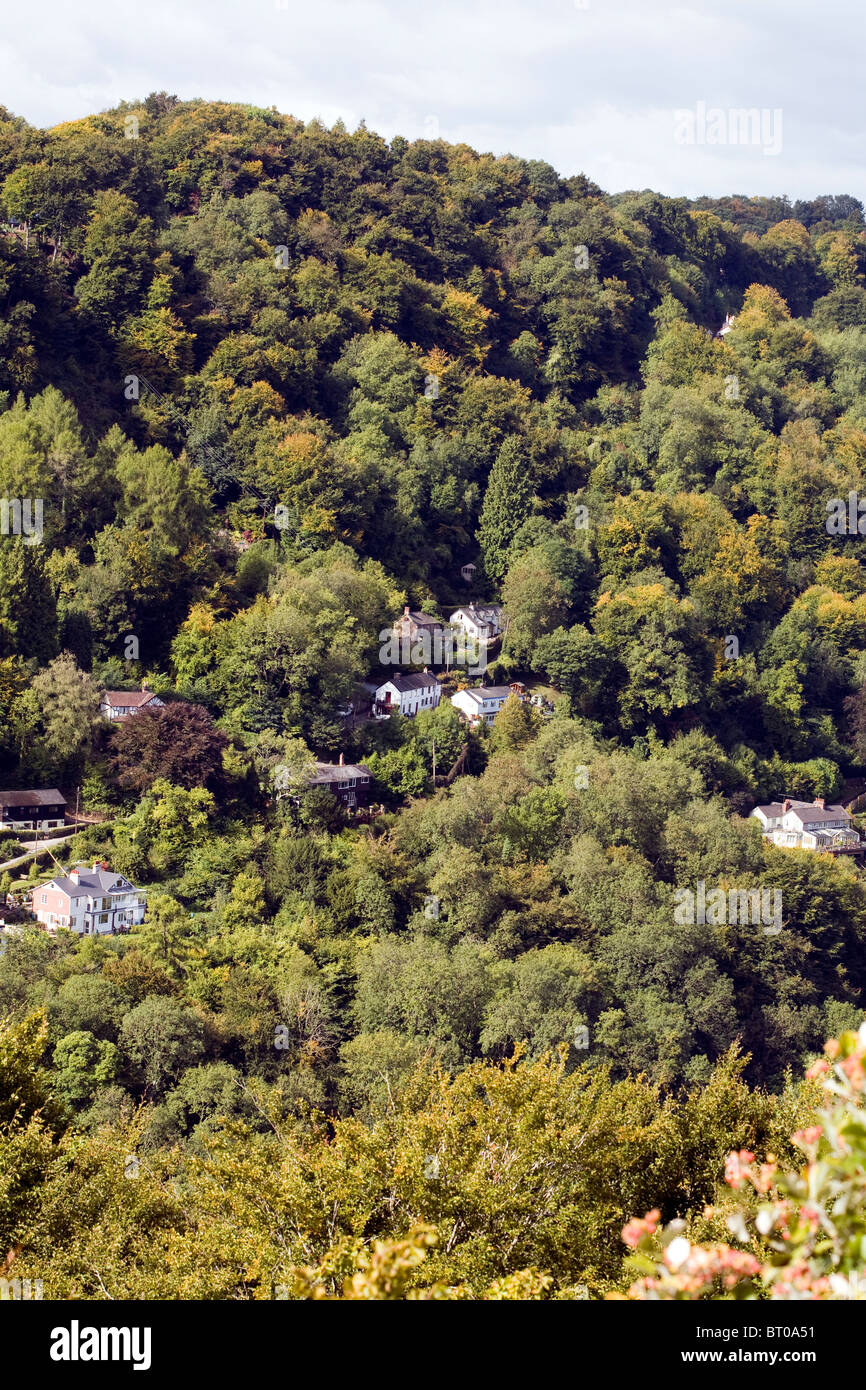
(776, 809)
(419, 619)
(98, 881)
(335, 772)
(807, 811)
(51, 797)
(482, 613)
(488, 692)
(414, 682)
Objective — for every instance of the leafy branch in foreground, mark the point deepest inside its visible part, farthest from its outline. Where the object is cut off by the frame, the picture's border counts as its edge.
(803, 1232)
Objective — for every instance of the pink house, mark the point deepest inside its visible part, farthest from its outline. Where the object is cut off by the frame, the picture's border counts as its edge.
(91, 902)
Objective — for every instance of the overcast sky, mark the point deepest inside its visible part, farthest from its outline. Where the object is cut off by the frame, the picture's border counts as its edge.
(593, 86)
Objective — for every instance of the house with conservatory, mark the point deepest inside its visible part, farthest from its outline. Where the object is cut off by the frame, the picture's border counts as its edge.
(808, 825)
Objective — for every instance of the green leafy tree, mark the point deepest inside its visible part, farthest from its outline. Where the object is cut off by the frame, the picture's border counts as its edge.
(62, 708)
(514, 725)
(117, 250)
(82, 1064)
(87, 1003)
(160, 1039)
(168, 825)
(246, 907)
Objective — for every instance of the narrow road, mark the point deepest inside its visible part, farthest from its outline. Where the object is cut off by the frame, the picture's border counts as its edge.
(32, 851)
(34, 847)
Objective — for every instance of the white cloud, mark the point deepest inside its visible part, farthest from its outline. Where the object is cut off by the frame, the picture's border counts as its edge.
(591, 90)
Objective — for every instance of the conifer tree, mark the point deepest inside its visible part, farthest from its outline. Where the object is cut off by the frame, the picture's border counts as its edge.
(507, 504)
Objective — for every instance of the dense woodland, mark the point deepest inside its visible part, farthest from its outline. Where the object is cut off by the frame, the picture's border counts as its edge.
(213, 317)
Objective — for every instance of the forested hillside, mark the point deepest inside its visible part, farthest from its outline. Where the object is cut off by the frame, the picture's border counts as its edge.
(270, 382)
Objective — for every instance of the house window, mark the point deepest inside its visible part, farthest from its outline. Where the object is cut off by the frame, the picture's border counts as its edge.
(45, 897)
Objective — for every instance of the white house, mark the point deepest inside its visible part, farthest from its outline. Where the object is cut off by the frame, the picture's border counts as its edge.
(121, 704)
(91, 902)
(406, 695)
(481, 703)
(727, 326)
(481, 622)
(807, 825)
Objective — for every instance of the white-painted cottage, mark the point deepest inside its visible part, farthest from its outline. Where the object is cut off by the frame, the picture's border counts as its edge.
(482, 703)
(407, 695)
(807, 825)
(481, 622)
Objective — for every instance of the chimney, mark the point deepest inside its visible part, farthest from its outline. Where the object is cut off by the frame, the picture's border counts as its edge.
(786, 805)
(75, 876)
(406, 611)
(341, 760)
(819, 801)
